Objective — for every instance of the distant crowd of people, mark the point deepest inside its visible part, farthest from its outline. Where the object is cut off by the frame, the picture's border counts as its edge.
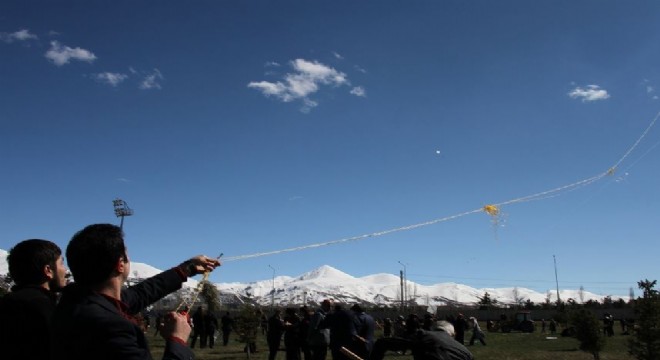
(348, 334)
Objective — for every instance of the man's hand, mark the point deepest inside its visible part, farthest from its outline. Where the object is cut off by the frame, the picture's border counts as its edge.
(175, 325)
(199, 265)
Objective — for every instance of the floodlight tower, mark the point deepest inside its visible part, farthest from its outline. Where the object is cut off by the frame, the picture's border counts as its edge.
(404, 289)
(121, 210)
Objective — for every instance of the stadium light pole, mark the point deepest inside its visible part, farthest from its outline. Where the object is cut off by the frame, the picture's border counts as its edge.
(121, 210)
(404, 290)
(272, 292)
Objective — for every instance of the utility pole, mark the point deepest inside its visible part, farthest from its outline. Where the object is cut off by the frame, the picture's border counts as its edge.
(401, 277)
(556, 281)
(272, 291)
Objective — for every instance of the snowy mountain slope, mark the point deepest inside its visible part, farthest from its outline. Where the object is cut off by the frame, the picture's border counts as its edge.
(382, 289)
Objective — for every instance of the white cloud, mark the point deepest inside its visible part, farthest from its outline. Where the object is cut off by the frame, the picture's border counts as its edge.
(360, 69)
(272, 64)
(124, 180)
(112, 79)
(61, 55)
(308, 105)
(268, 88)
(152, 81)
(589, 93)
(649, 89)
(307, 79)
(20, 35)
(337, 55)
(359, 91)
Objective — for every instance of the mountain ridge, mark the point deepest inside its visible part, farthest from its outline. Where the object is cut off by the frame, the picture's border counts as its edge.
(377, 289)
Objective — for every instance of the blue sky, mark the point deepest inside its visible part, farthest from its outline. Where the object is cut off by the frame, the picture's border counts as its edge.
(252, 126)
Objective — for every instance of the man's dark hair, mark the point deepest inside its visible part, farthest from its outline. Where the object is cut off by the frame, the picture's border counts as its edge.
(27, 259)
(93, 252)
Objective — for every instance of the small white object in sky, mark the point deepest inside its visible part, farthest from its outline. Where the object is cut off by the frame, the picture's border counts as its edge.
(589, 93)
(437, 152)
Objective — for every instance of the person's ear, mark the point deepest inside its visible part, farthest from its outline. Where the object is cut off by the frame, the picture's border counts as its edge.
(49, 272)
(121, 264)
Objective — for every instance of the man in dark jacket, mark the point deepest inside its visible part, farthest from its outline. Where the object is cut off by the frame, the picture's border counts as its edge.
(95, 316)
(198, 329)
(318, 337)
(37, 268)
(365, 332)
(274, 334)
(343, 325)
(227, 324)
(211, 324)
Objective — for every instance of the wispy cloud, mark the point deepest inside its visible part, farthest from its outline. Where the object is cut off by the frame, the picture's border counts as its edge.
(589, 93)
(308, 105)
(110, 78)
(650, 89)
(124, 180)
(20, 35)
(359, 91)
(152, 81)
(60, 54)
(337, 55)
(306, 79)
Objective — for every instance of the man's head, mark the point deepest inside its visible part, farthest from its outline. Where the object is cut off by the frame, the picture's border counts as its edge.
(326, 305)
(357, 308)
(97, 253)
(37, 262)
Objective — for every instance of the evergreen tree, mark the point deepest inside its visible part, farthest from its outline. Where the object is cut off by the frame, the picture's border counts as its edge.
(210, 295)
(645, 344)
(247, 324)
(587, 331)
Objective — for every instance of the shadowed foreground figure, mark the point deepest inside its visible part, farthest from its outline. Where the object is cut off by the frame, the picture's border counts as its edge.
(95, 318)
(38, 269)
(438, 344)
(227, 326)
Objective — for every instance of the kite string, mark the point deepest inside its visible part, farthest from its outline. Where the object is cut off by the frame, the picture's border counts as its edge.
(198, 290)
(492, 209)
(648, 128)
(354, 238)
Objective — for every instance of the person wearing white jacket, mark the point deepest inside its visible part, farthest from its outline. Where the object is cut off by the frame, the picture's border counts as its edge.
(477, 334)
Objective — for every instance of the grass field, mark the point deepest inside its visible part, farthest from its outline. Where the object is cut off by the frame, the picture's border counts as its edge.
(513, 346)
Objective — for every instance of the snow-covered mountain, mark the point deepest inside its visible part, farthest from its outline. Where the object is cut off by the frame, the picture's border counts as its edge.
(4, 268)
(378, 289)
